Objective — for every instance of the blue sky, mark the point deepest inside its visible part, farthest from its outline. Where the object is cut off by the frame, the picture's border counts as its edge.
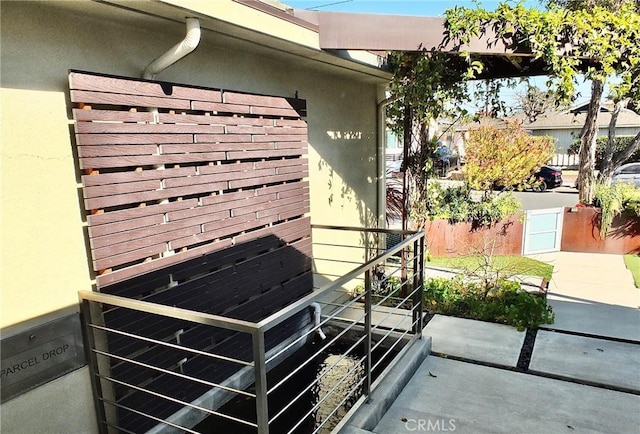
(399, 7)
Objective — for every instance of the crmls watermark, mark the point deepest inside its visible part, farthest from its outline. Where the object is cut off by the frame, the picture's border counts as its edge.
(430, 425)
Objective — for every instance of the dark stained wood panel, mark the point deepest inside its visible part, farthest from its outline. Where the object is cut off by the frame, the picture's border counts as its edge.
(147, 128)
(126, 86)
(173, 170)
(195, 198)
(131, 139)
(103, 98)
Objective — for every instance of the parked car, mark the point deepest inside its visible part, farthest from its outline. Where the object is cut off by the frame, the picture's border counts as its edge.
(629, 173)
(548, 177)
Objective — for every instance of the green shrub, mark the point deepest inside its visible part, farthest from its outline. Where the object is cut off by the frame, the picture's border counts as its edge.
(456, 205)
(614, 200)
(620, 144)
(507, 303)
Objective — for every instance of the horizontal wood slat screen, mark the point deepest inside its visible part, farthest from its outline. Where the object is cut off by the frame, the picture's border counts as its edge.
(174, 172)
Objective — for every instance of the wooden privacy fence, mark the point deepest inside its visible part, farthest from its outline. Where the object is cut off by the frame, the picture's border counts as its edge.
(196, 198)
(196, 175)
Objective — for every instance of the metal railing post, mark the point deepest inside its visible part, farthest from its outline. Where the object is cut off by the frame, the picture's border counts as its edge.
(92, 362)
(367, 330)
(417, 287)
(421, 277)
(260, 372)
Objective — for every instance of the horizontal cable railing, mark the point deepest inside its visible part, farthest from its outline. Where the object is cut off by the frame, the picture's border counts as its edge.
(367, 315)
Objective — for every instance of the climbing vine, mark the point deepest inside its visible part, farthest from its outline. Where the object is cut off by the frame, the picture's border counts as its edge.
(597, 43)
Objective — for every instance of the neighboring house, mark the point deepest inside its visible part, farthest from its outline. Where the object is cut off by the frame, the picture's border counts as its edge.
(245, 46)
(565, 127)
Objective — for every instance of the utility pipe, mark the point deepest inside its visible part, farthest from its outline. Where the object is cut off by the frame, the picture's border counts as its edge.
(381, 207)
(317, 312)
(177, 52)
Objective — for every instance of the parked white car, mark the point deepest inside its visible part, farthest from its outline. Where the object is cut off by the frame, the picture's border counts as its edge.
(628, 173)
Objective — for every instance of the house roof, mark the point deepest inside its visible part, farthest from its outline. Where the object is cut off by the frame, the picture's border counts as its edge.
(358, 31)
(354, 43)
(562, 120)
(570, 119)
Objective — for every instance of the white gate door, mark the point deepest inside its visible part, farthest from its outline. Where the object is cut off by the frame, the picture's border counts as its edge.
(542, 231)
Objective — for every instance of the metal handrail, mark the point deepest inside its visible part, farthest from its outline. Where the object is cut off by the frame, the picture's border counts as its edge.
(303, 303)
(257, 330)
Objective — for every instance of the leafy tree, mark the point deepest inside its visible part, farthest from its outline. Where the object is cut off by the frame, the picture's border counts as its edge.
(427, 85)
(534, 102)
(598, 42)
(505, 157)
(623, 95)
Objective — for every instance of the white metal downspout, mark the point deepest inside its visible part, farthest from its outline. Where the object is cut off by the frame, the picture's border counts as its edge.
(317, 312)
(382, 167)
(177, 52)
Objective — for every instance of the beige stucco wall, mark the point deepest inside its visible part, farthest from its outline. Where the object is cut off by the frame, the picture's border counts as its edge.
(43, 246)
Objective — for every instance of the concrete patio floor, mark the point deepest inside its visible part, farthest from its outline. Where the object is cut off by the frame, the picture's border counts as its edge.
(583, 376)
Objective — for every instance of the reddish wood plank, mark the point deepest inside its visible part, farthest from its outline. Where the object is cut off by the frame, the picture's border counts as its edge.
(212, 147)
(285, 231)
(295, 123)
(297, 209)
(248, 129)
(224, 197)
(292, 169)
(302, 146)
(135, 198)
(148, 128)
(115, 150)
(131, 139)
(225, 168)
(222, 138)
(152, 160)
(79, 80)
(249, 154)
(255, 100)
(281, 163)
(295, 185)
(220, 206)
(112, 261)
(129, 272)
(169, 118)
(294, 213)
(134, 176)
(219, 229)
(285, 204)
(87, 97)
(293, 193)
(280, 138)
(261, 180)
(252, 206)
(115, 189)
(220, 107)
(125, 241)
(112, 115)
(121, 226)
(268, 111)
(218, 177)
(121, 216)
(242, 146)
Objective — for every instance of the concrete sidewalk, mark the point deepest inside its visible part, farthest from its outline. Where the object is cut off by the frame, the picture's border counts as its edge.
(583, 375)
(593, 294)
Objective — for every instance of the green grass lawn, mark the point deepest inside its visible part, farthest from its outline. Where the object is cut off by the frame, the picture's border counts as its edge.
(509, 264)
(633, 264)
